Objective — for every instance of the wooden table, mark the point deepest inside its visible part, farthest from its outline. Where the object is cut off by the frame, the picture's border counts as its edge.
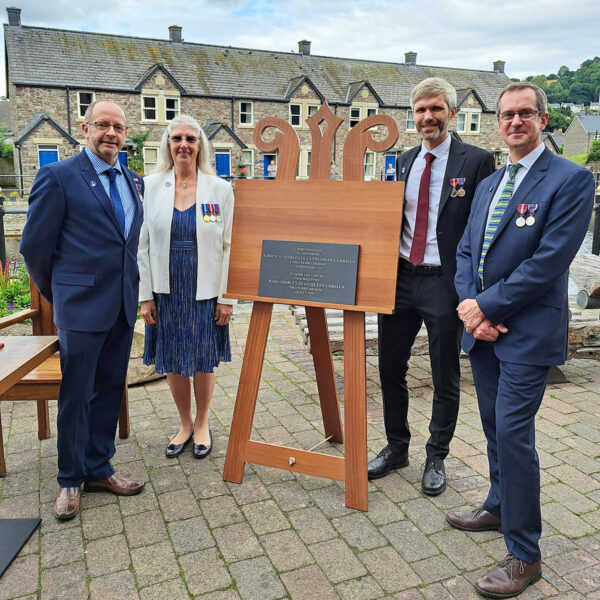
(20, 355)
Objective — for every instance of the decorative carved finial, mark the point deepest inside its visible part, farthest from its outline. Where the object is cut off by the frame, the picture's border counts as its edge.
(322, 141)
(360, 139)
(285, 142)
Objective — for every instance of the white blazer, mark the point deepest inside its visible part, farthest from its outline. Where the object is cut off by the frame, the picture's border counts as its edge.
(213, 238)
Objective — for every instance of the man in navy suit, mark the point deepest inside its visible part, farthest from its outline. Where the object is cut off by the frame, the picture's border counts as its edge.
(80, 246)
(437, 201)
(526, 225)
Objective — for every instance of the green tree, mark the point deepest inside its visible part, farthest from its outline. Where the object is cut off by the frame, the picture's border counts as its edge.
(6, 147)
(594, 154)
(136, 156)
(558, 119)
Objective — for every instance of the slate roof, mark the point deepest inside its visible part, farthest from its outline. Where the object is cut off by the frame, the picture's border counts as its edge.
(591, 123)
(37, 120)
(59, 58)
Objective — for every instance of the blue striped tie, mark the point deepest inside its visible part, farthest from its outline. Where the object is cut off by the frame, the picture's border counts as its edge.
(497, 215)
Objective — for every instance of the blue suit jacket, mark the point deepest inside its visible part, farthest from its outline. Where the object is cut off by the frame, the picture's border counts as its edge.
(526, 269)
(75, 250)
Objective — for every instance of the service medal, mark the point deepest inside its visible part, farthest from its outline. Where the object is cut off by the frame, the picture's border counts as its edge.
(530, 220)
(205, 216)
(211, 210)
(521, 209)
(218, 210)
(461, 191)
(453, 193)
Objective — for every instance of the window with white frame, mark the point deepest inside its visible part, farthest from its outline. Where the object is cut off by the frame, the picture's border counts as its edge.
(468, 122)
(369, 165)
(410, 121)
(171, 108)
(248, 162)
(354, 115)
(246, 117)
(461, 122)
(295, 114)
(84, 99)
(150, 159)
(149, 108)
(311, 109)
(474, 124)
(371, 112)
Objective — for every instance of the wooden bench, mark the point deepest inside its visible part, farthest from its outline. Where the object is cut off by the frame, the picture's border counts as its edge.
(42, 384)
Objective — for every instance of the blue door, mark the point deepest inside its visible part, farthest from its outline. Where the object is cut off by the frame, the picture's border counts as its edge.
(123, 157)
(266, 162)
(47, 156)
(222, 163)
(390, 161)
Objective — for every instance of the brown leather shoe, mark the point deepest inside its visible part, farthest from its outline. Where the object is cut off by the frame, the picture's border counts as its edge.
(115, 484)
(508, 578)
(473, 520)
(67, 503)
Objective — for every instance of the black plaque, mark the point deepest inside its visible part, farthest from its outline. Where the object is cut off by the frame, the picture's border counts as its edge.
(309, 271)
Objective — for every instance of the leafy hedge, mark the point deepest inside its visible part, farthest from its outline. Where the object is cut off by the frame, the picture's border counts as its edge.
(14, 292)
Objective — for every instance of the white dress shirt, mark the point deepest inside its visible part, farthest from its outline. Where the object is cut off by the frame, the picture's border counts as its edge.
(411, 201)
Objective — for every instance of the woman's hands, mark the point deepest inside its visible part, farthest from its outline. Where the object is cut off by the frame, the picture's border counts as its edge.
(223, 313)
(148, 312)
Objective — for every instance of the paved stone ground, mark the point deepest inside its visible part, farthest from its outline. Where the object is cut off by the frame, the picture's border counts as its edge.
(281, 535)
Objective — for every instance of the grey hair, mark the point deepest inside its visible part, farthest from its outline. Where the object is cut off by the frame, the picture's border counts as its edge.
(165, 160)
(540, 96)
(434, 86)
(90, 109)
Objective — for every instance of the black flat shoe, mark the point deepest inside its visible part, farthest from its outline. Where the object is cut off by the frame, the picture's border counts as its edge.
(387, 460)
(174, 450)
(202, 451)
(434, 476)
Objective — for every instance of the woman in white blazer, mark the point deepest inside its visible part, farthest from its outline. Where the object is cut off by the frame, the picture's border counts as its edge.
(183, 260)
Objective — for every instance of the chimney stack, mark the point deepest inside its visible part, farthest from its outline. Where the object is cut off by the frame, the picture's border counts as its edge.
(410, 58)
(304, 47)
(14, 16)
(499, 66)
(175, 34)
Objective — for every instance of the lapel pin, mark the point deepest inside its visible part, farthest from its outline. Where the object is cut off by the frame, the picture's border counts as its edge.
(93, 183)
(403, 169)
(491, 188)
(167, 184)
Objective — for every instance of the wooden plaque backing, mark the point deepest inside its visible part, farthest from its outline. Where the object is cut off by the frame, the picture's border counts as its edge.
(346, 212)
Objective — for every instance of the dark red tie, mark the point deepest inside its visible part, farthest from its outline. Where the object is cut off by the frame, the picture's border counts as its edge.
(417, 251)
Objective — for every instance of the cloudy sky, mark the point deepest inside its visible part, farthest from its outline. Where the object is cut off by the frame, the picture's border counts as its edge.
(532, 36)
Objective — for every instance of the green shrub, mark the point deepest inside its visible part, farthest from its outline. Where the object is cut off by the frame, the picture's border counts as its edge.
(14, 290)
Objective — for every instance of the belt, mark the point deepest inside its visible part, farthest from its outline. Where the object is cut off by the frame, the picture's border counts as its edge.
(405, 265)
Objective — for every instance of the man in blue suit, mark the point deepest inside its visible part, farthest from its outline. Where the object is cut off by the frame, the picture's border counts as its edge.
(527, 223)
(80, 246)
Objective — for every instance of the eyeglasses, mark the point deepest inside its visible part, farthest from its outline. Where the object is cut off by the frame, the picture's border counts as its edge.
(525, 115)
(107, 126)
(190, 139)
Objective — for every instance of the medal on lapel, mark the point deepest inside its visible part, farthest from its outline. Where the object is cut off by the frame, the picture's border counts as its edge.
(453, 183)
(211, 210)
(530, 220)
(521, 209)
(461, 191)
(218, 210)
(205, 216)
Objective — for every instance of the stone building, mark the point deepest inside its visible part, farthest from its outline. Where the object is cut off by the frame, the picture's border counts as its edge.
(583, 130)
(53, 75)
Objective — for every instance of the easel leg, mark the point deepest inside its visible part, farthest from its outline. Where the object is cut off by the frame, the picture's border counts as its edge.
(245, 403)
(2, 462)
(321, 351)
(355, 410)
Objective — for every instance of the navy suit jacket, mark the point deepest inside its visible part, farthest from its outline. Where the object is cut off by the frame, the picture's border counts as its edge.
(75, 250)
(464, 160)
(526, 269)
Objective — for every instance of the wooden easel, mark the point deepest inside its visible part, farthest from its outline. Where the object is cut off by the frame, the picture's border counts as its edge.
(348, 212)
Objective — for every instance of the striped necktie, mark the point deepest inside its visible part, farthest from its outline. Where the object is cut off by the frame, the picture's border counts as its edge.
(497, 215)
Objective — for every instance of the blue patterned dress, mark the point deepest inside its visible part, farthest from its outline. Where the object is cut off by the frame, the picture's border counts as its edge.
(186, 338)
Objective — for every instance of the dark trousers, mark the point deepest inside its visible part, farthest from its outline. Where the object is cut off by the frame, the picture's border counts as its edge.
(94, 368)
(421, 298)
(509, 396)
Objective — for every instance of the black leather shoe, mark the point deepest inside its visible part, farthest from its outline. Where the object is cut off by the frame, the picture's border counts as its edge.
(434, 477)
(386, 461)
(174, 450)
(202, 451)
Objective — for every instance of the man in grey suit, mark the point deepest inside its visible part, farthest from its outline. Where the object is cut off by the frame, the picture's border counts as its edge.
(440, 176)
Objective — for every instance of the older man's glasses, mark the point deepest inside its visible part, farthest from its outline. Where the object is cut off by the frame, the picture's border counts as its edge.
(106, 126)
(190, 139)
(525, 115)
